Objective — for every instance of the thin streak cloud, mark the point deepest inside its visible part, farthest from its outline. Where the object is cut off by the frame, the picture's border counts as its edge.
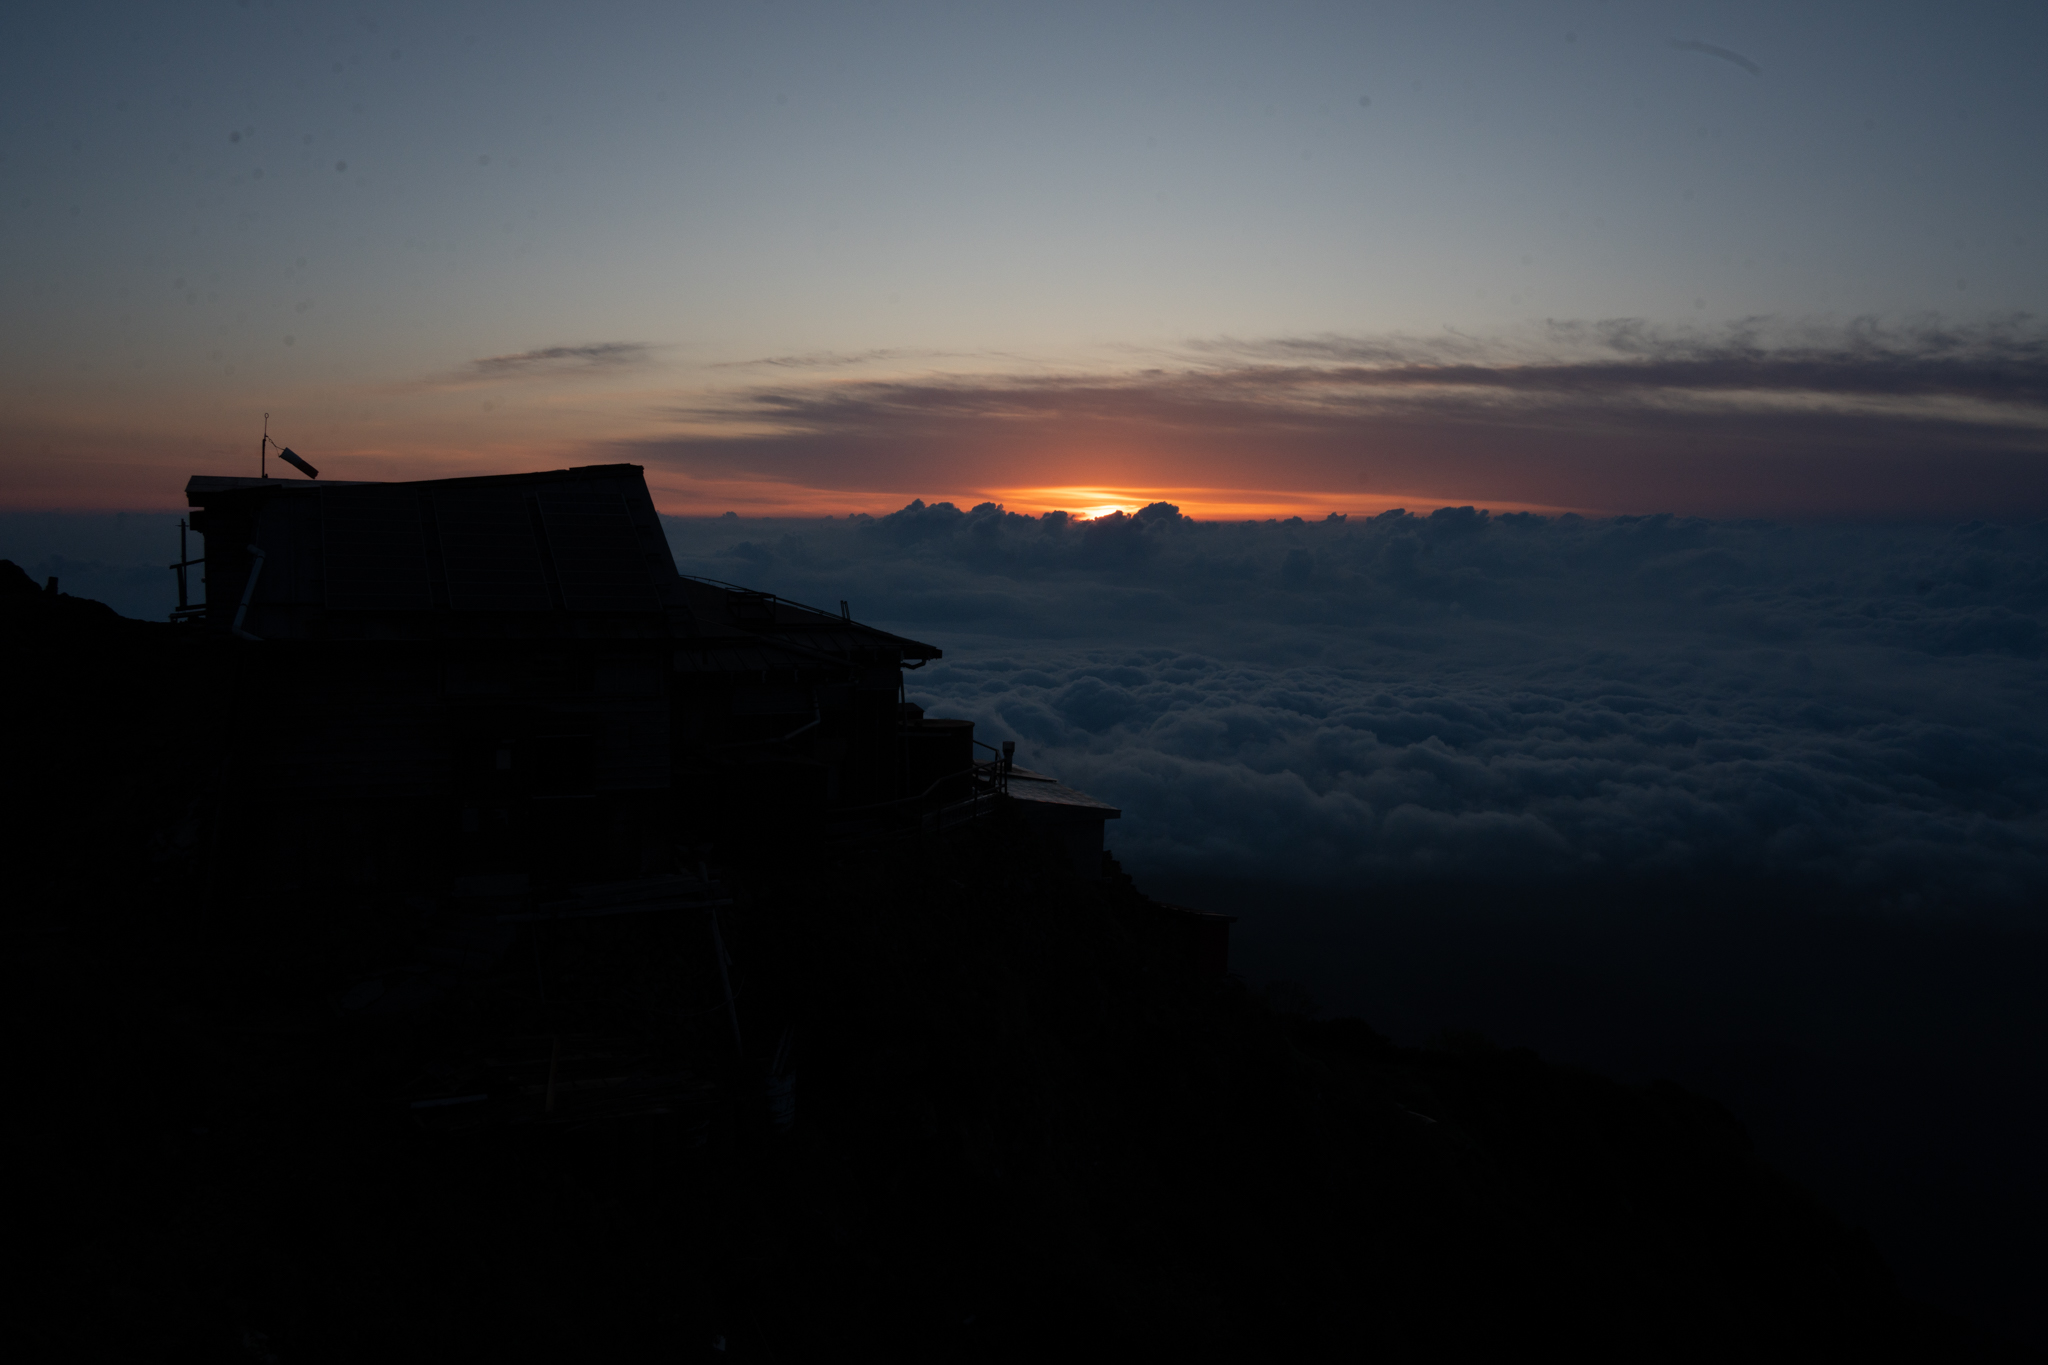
(827, 360)
(561, 360)
(543, 363)
(1694, 45)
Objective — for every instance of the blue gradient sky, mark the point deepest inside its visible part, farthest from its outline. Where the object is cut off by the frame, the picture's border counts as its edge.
(690, 235)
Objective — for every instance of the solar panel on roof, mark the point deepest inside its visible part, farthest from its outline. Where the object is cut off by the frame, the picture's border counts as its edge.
(375, 550)
(489, 550)
(598, 556)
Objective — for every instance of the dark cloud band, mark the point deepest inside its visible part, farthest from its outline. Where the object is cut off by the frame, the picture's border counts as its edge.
(1861, 420)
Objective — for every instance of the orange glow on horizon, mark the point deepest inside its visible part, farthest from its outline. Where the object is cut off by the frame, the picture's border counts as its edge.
(711, 498)
(1239, 504)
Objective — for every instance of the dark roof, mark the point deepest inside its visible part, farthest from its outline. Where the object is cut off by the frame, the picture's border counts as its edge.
(1046, 792)
(754, 620)
(582, 540)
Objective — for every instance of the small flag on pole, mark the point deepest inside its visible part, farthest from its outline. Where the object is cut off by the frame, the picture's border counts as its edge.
(296, 463)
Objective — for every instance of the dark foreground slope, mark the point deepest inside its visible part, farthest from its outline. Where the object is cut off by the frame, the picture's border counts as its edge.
(1022, 1131)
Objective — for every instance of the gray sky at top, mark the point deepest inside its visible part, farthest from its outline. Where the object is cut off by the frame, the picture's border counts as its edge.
(989, 185)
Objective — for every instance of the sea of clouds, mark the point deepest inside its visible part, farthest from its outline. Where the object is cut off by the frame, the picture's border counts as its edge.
(1453, 695)
(1474, 696)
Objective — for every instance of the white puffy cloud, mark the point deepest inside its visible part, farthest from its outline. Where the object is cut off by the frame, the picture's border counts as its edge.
(1491, 697)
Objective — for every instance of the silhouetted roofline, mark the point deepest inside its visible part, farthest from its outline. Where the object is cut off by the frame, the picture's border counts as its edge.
(403, 548)
(221, 483)
(784, 616)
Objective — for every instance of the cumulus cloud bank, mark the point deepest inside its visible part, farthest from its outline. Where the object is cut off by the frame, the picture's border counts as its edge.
(1464, 695)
